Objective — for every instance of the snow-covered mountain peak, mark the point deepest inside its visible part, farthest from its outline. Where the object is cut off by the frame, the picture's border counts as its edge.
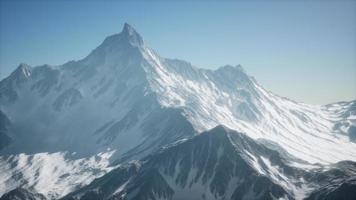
(22, 70)
(123, 81)
(236, 68)
(128, 36)
(131, 34)
(124, 47)
(20, 75)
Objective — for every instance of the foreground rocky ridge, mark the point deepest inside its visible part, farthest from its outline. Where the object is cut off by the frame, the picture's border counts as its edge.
(220, 164)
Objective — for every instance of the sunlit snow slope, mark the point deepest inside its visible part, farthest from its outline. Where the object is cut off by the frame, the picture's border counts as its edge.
(52, 175)
(229, 96)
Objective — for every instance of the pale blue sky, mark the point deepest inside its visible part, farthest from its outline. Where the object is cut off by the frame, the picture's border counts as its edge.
(303, 50)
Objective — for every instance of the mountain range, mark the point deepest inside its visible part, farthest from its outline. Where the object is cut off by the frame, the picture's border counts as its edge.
(126, 123)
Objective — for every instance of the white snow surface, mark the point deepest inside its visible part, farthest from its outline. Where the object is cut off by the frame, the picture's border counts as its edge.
(51, 174)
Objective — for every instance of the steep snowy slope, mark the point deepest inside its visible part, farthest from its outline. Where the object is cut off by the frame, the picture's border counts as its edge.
(229, 96)
(218, 164)
(124, 97)
(52, 175)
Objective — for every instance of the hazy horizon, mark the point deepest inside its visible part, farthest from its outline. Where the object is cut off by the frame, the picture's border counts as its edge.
(304, 51)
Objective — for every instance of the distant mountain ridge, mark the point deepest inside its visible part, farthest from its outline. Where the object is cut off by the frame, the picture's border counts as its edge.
(124, 102)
